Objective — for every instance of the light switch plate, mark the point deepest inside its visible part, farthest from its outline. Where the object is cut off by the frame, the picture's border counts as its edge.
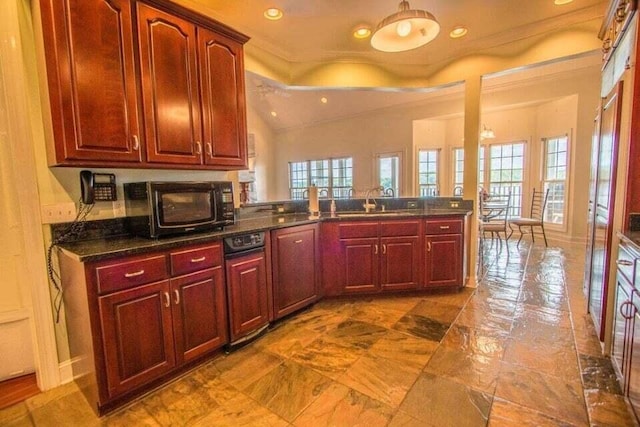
(58, 212)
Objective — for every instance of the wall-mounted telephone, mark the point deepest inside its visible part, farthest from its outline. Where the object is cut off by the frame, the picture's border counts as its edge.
(97, 187)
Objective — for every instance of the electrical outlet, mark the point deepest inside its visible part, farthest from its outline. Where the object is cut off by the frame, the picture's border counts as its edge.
(118, 209)
(59, 212)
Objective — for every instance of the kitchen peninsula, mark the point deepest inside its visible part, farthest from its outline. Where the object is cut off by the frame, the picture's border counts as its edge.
(141, 311)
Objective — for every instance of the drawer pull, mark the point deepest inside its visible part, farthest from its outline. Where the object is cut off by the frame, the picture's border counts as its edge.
(375, 249)
(136, 143)
(198, 148)
(624, 262)
(209, 149)
(384, 249)
(195, 260)
(167, 299)
(428, 246)
(134, 274)
(298, 241)
(176, 295)
(444, 227)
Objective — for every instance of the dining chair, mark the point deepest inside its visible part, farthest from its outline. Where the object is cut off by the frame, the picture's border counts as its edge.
(535, 218)
(494, 215)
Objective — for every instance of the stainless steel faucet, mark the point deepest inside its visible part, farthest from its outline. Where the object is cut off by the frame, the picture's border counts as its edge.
(368, 207)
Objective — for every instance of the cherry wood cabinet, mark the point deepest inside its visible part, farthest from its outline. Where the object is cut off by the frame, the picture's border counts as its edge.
(147, 84)
(444, 252)
(92, 82)
(295, 264)
(248, 293)
(625, 339)
(371, 256)
(135, 321)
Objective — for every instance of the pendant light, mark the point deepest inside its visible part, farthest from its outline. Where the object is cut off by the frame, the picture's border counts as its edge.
(487, 133)
(405, 30)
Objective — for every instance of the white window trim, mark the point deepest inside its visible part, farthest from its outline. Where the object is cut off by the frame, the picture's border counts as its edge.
(438, 172)
(568, 207)
(376, 168)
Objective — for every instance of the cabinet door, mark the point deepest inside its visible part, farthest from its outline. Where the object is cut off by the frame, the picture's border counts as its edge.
(633, 377)
(199, 313)
(360, 258)
(443, 260)
(620, 333)
(247, 289)
(92, 81)
(223, 100)
(400, 263)
(137, 336)
(168, 63)
(293, 257)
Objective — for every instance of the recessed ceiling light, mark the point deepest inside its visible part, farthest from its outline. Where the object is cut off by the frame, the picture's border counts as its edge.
(362, 32)
(324, 100)
(273, 13)
(274, 114)
(458, 32)
(560, 2)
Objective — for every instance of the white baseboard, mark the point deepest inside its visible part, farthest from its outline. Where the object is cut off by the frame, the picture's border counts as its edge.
(66, 371)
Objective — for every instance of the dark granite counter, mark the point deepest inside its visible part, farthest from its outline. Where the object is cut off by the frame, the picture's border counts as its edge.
(632, 238)
(104, 248)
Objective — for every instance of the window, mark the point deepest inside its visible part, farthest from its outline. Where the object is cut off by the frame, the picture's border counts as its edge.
(481, 180)
(428, 172)
(555, 178)
(389, 173)
(506, 173)
(458, 171)
(333, 177)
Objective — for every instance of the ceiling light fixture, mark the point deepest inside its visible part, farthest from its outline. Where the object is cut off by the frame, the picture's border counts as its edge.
(487, 133)
(361, 32)
(561, 2)
(273, 13)
(324, 100)
(274, 114)
(405, 30)
(458, 32)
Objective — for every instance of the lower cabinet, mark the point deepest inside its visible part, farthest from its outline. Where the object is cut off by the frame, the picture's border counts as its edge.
(369, 257)
(134, 320)
(295, 266)
(248, 293)
(625, 343)
(444, 252)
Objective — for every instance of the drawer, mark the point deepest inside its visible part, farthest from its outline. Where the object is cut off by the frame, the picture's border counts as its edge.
(195, 259)
(399, 228)
(130, 272)
(358, 229)
(443, 226)
(626, 263)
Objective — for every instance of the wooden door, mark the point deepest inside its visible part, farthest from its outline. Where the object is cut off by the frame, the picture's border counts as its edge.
(443, 260)
(247, 294)
(199, 313)
(137, 335)
(400, 262)
(223, 100)
(591, 213)
(294, 253)
(92, 81)
(360, 259)
(604, 208)
(168, 64)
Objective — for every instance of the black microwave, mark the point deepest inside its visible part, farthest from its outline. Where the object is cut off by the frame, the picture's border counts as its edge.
(156, 209)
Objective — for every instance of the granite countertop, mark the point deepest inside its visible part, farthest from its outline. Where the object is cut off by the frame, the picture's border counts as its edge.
(99, 249)
(631, 237)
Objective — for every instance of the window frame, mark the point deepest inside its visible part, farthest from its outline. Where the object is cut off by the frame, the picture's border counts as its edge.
(567, 174)
(327, 191)
(438, 162)
(398, 155)
(517, 200)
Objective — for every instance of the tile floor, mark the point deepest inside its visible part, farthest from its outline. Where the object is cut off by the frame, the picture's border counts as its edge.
(518, 350)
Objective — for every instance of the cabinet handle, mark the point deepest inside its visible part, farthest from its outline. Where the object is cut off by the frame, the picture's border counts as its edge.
(195, 260)
(624, 262)
(176, 298)
(134, 274)
(375, 251)
(428, 246)
(198, 148)
(298, 241)
(167, 299)
(209, 149)
(444, 227)
(384, 249)
(136, 143)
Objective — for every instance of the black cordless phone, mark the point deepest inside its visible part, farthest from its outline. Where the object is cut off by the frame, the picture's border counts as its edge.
(97, 187)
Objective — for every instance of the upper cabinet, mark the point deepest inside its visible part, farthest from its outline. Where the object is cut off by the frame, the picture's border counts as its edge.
(135, 85)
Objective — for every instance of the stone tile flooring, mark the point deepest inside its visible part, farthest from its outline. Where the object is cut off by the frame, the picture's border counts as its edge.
(518, 350)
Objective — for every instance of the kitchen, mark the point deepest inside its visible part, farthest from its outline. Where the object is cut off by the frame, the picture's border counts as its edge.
(61, 184)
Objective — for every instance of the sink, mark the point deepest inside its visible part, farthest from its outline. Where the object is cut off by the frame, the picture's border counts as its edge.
(376, 213)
